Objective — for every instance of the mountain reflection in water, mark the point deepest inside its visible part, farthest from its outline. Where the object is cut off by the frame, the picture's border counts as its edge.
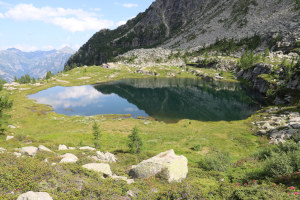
(165, 99)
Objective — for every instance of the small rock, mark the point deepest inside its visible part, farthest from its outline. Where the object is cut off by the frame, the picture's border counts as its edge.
(35, 196)
(30, 150)
(105, 157)
(2, 150)
(17, 154)
(62, 147)
(87, 148)
(72, 148)
(9, 137)
(11, 126)
(130, 193)
(295, 125)
(43, 148)
(124, 178)
(69, 158)
(99, 167)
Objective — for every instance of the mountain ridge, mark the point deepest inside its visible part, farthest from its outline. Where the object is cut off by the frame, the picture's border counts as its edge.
(14, 62)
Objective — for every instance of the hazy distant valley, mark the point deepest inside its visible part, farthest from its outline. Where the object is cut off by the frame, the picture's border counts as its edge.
(14, 62)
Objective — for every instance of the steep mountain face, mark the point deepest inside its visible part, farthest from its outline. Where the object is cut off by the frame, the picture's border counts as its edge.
(14, 62)
(195, 23)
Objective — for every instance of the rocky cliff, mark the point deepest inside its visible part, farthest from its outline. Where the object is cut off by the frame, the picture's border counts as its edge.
(195, 23)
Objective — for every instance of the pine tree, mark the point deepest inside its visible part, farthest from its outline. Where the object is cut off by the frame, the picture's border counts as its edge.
(97, 135)
(135, 143)
(48, 75)
(4, 104)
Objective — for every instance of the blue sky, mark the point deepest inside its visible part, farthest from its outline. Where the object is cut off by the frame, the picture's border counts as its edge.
(32, 25)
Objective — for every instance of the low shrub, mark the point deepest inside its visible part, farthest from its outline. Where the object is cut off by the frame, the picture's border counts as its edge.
(217, 161)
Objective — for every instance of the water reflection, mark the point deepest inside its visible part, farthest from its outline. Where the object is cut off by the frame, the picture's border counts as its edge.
(161, 98)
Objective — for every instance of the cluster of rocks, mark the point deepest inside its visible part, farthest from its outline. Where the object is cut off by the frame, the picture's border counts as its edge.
(146, 72)
(14, 86)
(166, 165)
(154, 57)
(279, 127)
(206, 76)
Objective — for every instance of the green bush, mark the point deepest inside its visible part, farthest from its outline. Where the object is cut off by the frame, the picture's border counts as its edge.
(247, 60)
(278, 164)
(217, 161)
(296, 136)
(258, 193)
(197, 147)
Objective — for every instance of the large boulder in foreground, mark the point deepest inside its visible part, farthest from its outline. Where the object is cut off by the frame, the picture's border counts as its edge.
(167, 165)
(35, 196)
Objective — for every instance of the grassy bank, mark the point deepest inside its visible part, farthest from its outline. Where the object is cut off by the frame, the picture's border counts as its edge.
(37, 124)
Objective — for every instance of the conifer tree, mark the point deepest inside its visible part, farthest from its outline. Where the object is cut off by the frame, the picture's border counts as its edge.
(135, 143)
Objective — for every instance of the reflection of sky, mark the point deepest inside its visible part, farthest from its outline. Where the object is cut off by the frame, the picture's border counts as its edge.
(85, 100)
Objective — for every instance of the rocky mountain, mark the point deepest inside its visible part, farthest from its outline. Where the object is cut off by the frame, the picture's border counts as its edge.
(189, 24)
(14, 62)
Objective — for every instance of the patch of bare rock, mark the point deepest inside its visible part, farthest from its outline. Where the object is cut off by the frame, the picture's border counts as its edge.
(279, 127)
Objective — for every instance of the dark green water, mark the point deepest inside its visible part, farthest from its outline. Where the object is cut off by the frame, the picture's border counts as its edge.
(165, 99)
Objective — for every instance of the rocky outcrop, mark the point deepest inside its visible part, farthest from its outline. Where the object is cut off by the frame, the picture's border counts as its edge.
(167, 165)
(279, 127)
(35, 196)
(252, 75)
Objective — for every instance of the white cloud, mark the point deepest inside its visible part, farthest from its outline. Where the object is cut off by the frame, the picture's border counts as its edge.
(69, 19)
(1, 15)
(130, 5)
(121, 23)
(4, 3)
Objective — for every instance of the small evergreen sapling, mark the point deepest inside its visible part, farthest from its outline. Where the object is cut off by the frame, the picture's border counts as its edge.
(97, 135)
(135, 143)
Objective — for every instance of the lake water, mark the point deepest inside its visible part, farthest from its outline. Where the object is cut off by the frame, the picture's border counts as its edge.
(165, 99)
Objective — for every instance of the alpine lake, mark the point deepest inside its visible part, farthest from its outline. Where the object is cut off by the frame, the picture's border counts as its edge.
(163, 99)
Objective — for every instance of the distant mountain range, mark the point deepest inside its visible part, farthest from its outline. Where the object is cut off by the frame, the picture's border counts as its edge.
(14, 62)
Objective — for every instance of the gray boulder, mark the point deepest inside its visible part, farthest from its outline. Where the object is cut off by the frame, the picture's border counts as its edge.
(87, 148)
(167, 165)
(104, 157)
(35, 196)
(30, 150)
(43, 148)
(62, 147)
(2, 150)
(69, 158)
(99, 167)
(9, 137)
